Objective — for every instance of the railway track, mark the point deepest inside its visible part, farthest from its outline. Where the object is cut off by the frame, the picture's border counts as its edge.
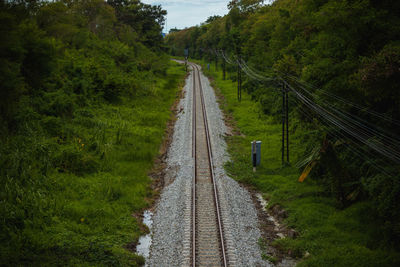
(207, 244)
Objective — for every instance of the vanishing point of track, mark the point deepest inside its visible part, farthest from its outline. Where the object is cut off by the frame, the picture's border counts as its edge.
(208, 248)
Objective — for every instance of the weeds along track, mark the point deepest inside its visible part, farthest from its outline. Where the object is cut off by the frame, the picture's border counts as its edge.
(207, 244)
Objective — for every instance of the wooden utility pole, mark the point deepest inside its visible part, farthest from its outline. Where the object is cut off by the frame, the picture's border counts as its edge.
(223, 70)
(287, 123)
(186, 53)
(239, 80)
(283, 123)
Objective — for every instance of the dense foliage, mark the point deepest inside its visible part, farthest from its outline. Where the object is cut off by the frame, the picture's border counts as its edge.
(327, 236)
(347, 49)
(85, 96)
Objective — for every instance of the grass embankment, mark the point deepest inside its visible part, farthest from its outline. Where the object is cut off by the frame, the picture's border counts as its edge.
(81, 212)
(333, 237)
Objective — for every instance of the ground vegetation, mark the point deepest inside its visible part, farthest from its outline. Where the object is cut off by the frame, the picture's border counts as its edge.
(86, 91)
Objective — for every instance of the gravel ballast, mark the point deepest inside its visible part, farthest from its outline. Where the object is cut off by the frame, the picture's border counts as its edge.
(171, 221)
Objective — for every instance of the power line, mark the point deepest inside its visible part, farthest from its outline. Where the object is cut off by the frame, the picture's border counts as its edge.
(383, 142)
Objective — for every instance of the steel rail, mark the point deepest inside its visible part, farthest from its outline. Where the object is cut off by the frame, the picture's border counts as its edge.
(211, 167)
(194, 171)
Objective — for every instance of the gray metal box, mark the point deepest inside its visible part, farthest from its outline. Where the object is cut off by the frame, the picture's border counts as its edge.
(257, 151)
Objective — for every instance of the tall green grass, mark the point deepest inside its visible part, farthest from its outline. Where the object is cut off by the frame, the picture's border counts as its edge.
(70, 200)
(348, 237)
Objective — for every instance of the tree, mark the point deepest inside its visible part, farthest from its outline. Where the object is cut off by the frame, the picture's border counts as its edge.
(245, 5)
(146, 20)
(174, 30)
(212, 18)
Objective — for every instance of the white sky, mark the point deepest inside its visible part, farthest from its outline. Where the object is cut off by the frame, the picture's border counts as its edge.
(187, 13)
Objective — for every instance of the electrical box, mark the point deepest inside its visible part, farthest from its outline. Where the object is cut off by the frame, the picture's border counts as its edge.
(256, 153)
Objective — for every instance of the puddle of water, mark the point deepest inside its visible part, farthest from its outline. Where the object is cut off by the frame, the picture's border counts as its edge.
(143, 247)
(262, 201)
(264, 205)
(286, 262)
(280, 235)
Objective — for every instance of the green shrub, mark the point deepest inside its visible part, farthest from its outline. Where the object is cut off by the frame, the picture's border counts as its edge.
(74, 158)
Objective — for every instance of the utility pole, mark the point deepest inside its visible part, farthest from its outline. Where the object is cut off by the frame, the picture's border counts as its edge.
(283, 122)
(223, 69)
(239, 79)
(186, 53)
(287, 124)
(240, 83)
